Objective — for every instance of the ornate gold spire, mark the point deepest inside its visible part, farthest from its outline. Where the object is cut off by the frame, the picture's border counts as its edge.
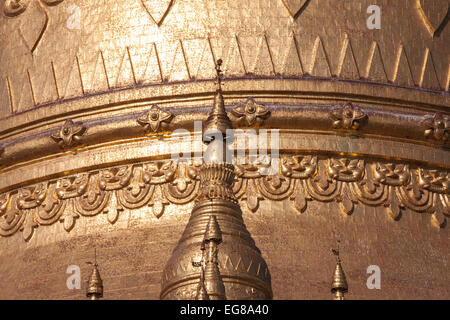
(213, 232)
(243, 272)
(339, 284)
(95, 282)
(201, 294)
(218, 121)
(213, 280)
(210, 286)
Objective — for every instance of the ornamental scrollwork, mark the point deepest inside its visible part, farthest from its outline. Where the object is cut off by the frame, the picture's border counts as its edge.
(347, 117)
(437, 127)
(154, 118)
(347, 170)
(299, 167)
(251, 112)
(69, 134)
(14, 8)
(434, 180)
(368, 190)
(393, 174)
(299, 179)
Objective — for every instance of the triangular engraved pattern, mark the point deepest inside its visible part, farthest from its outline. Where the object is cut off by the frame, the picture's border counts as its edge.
(94, 74)
(120, 68)
(263, 62)
(402, 70)
(43, 82)
(375, 69)
(428, 76)
(319, 65)
(70, 85)
(292, 63)
(148, 68)
(348, 68)
(91, 73)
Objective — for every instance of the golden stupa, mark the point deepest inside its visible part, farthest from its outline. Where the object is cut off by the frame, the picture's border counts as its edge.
(348, 102)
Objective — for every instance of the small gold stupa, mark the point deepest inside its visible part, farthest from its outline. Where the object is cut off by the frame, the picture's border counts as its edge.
(95, 283)
(339, 284)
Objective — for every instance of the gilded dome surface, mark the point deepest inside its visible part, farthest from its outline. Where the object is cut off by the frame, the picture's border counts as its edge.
(91, 93)
(65, 50)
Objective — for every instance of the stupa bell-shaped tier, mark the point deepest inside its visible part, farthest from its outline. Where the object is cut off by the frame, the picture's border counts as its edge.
(243, 270)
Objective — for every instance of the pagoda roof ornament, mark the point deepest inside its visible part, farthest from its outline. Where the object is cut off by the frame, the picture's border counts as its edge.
(213, 279)
(210, 274)
(339, 284)
(213, 232)
(201, 293)
(217, 122)
(219, 74)
(95, 283)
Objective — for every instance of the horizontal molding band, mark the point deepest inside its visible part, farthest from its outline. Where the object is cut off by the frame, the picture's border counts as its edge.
(297, 178)
(119, 152)
(193, 93)
(382, 123)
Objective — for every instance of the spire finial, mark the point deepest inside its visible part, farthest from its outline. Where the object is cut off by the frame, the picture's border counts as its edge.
(336, 251)
(218, 121)
(219, 74)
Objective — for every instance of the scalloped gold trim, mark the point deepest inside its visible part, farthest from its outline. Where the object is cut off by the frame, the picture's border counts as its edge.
(300, 178)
